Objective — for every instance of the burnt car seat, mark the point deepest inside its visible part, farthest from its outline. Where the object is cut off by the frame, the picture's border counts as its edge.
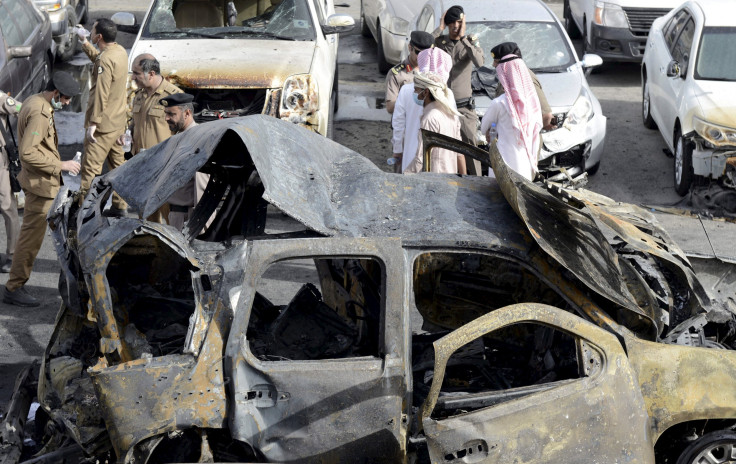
(198, 13)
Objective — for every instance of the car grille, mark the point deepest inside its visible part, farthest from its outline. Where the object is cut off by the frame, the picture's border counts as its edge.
(641, 19)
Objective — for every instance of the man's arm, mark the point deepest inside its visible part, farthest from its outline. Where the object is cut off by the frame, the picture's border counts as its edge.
(31, 154)
(398, 123)
(392, 90)
(90, 50)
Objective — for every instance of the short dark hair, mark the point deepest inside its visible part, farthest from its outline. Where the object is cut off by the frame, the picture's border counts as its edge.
(150, 64)
(107, 29)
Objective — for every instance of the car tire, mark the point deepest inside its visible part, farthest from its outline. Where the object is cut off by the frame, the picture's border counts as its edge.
(711, 447)
(383, 65)
(72, 38)
(593, 169)
(570, 27)
(85, 14)
(646, 110)
(330, 132)
(683, 164)
(364, 29)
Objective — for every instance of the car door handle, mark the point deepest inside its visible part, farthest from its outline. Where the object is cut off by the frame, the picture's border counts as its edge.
(661, 69)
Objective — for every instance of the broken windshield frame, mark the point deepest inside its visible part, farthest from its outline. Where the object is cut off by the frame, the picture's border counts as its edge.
(288, 20)
(543, 45)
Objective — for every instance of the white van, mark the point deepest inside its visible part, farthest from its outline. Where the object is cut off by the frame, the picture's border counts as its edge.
(616, 30)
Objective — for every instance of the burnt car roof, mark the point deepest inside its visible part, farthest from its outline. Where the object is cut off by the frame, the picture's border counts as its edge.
(326, 186)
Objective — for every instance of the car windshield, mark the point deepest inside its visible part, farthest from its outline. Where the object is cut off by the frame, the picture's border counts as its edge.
(717, 54)
(258, 19)
(542, 45)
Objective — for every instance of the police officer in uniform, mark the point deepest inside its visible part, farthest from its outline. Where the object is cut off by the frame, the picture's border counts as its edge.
(8, 203)
(106, 112)
(40, 178)
(465, 52)
(404, 71)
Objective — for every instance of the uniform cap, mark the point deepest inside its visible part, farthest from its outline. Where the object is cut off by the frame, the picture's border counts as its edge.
(455, 13)
(65, 83)
(177, 99)
(506, 48)
(421, 40)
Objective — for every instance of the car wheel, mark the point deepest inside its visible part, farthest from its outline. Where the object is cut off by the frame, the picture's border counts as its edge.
(713, 447)
(71, 38)
(330, 133)
(364, 30)
(646, 111)
(383, 65)
(570, 27)
(683, 164)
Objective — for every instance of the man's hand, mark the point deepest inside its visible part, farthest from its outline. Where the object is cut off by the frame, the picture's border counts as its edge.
(462, 26)
(71, 166)
(119, 140)
(91, 133)
(82, 33)
(547, 121)
(442, 21)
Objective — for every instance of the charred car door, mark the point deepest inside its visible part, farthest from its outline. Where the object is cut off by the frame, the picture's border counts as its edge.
(316, 354)
(596, 414)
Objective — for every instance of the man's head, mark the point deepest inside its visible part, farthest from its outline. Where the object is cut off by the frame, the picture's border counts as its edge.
(419, 41)
(179, 111)
(503, 49)
(105, 30)
(146, 68)
(454, 18)
(62, 87)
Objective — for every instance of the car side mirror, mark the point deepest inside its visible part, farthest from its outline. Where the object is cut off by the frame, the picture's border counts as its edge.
(338, 23)
(673, 69)
(125, 22)
(20, 52)
(589, 61)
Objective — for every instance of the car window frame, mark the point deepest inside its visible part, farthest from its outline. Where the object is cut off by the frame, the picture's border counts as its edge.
(684, 60)
(9, 40)
(686, 15)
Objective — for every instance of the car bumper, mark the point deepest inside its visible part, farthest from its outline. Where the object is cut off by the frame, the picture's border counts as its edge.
(617, 44)
(393, 44)
(575, 149)
(717, 164)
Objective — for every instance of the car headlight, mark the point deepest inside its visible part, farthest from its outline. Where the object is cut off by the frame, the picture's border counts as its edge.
(581, 112)
(299, 98)
(398, 26)
(49, 5)
(716, 134)
(609, 15)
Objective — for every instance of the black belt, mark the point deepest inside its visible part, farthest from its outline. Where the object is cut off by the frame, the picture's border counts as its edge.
(465, 103)
(178, 208)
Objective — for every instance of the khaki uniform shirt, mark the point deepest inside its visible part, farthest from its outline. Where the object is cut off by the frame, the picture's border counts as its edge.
(107, 103)
(39, 155)
(149, 125)
(192, 191)
(543, 103)
(465, 53)
(397, 76)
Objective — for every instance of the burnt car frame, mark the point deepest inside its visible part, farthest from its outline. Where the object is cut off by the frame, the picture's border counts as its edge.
(469, 330)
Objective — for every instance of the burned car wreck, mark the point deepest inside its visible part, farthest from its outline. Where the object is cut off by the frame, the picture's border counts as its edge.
(317, 309)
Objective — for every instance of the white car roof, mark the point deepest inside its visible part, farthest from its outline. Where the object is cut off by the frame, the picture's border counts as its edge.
(502, 10)
(717, 12)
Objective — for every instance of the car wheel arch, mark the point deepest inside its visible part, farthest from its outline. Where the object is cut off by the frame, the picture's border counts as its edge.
(673, 441)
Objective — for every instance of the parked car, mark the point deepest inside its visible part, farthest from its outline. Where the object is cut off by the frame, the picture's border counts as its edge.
(498, 323)
(64, 15)
(577, 140)
(388, 22)
(614, 29)
(26, 48)
(277, 58)
(689, 90)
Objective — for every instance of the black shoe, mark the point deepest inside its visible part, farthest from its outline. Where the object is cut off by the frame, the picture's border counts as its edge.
(20, 297)
(5, 268)
(115, 212)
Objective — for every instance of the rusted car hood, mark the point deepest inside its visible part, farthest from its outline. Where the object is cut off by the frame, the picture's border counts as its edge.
(242, 64)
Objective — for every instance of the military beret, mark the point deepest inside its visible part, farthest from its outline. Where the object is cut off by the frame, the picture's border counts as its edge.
(455, 13)
(177, 99)
(506, 48)
(421, 40)
(65, 83)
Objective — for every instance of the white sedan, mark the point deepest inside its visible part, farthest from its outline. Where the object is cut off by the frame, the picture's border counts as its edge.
(388, 22)
(689, 90)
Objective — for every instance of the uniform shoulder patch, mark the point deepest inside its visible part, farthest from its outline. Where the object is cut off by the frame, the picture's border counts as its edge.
(398, 68)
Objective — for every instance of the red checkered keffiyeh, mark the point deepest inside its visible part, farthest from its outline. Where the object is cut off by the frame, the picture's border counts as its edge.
(435, 61)
(523, 103)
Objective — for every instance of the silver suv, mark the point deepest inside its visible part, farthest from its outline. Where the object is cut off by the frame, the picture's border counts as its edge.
(64, 15)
